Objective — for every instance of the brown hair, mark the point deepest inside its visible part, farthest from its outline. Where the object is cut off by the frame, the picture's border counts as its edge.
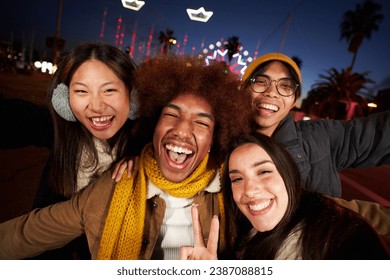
(162, 79)
(328, 231)
(71, 137)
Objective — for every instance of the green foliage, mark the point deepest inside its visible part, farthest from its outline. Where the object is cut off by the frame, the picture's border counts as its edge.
(232, 44)
(167, 40)
(331, 96)
(359, 24)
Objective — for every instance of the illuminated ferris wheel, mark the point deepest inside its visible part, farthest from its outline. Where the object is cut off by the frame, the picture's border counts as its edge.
(218, 52)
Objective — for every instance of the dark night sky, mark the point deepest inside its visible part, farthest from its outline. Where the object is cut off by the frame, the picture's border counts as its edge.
(308, 29)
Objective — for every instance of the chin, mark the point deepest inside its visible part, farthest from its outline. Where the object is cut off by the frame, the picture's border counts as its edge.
(265, 227)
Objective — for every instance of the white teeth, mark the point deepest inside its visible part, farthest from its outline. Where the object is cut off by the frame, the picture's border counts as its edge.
(261, 206)
(269, 107)
(102, 119)
(179, 150)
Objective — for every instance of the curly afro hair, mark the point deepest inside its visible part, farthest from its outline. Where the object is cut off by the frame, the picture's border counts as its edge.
(162, 79)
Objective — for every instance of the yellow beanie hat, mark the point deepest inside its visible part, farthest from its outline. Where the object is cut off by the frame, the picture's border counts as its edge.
(268, 57)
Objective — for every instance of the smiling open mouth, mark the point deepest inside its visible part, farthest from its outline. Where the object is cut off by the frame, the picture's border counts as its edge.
(178, 154)
(260, 206)
(102, 121)
(268, 106)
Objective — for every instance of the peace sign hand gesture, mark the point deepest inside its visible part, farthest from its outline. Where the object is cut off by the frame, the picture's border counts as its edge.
(200, 251)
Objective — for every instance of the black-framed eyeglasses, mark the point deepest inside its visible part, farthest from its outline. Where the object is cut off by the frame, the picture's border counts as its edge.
(285, 86)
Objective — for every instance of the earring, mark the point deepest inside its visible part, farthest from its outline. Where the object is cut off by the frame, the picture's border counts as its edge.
(60, 102)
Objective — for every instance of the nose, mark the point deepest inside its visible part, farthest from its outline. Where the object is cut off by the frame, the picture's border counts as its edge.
(97, 103)
(272, 91)
(252, 188)
(183, 130)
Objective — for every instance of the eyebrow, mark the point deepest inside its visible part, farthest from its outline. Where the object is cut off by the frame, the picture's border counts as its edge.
(269, 77)
(200, 114)
(253, 165)
(262, 75)
(109, 83)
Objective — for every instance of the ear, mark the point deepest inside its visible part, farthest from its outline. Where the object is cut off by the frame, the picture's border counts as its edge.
(60, 102)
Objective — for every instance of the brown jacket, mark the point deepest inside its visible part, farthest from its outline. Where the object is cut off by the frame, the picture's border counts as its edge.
(56, 225)
(377, 215)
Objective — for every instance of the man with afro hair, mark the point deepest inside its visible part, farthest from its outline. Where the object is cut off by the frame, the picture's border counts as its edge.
(187, 112)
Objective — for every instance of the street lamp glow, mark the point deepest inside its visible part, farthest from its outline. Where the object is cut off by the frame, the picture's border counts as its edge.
(372, 105)
(37, 64)
(133, 4)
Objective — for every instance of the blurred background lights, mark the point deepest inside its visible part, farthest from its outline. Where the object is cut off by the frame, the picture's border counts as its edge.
(45, 67)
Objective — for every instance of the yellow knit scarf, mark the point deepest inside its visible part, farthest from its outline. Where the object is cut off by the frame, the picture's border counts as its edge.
(124, 225)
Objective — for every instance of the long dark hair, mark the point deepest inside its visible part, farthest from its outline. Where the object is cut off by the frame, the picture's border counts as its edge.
(328, 231)
(237, 225)
(71, 137)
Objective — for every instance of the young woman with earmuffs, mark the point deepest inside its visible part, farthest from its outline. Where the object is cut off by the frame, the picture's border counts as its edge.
(93, 105)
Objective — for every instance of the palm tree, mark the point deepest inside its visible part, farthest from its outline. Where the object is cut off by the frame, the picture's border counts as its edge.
(332, 96)
(167, 40)
(232, 44)
(359, 24)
